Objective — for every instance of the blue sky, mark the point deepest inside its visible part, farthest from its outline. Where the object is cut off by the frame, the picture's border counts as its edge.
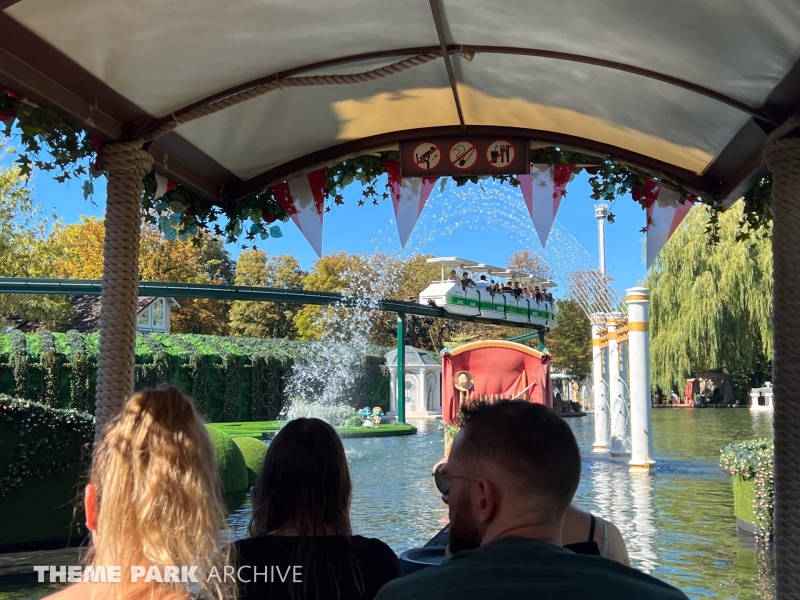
(447, 227)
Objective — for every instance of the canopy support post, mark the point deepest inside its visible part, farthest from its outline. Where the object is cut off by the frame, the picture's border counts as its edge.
(781, 152)
(401, 368)
(126, 164)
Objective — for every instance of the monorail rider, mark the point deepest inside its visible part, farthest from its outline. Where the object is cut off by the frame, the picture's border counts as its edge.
(466, 281)
(482, 283)
(453, 276)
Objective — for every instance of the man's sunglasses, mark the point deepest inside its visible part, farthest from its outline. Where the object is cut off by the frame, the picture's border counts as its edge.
(442, 480)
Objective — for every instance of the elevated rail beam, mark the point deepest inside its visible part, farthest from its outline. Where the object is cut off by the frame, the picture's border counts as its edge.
(83, 287)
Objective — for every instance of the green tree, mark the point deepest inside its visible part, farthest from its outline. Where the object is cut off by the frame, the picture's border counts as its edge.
(25, 251)
(570, 342)
(711, 305)
(77, 253)
(266, 319)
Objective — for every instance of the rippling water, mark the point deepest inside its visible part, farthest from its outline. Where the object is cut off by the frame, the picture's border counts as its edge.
(678, 523)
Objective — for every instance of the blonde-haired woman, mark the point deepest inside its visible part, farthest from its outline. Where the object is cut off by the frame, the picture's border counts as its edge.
(153, 501)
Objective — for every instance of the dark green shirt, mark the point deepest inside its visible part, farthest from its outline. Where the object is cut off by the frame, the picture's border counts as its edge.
(528, 569)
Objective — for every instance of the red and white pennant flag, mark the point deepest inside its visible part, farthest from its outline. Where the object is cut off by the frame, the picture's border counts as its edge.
(304, 201)
(163, 185)
(543, 189)
(664, 213)
(409, 195)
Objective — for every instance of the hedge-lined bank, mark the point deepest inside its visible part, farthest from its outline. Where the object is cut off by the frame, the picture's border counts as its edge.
(44, 457)
(229, 378)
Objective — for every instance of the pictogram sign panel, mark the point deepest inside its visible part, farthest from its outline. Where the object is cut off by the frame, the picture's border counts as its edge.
(464, 156)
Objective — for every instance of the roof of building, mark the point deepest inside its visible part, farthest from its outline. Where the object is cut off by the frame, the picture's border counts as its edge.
(86, 311)
(414, 358)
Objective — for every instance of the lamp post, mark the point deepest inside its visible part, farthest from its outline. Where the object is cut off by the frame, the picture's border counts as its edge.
(401, 368)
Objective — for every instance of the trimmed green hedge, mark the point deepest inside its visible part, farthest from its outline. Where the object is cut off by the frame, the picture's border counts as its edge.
(229, 378)
(230, 461)
(744, 498)
(752, 465)
(44, 457)
(254, 452)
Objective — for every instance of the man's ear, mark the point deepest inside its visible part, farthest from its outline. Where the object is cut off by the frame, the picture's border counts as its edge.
(486, 501)
(90, 507)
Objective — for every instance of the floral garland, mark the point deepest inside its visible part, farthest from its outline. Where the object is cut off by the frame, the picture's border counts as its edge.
(41, 428)
(51, 144)
(754, 460)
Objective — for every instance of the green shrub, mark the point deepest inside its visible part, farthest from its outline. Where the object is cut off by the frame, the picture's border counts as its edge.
(254, 452)
(230, 461)
(44, 455)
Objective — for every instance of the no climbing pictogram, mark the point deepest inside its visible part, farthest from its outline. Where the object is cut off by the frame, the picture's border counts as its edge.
(427, 156)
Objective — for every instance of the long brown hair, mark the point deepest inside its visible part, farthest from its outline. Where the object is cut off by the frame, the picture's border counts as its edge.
(304, 491)
(158, 495)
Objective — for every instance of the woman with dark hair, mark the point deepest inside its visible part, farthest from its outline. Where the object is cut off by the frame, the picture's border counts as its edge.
(301, 544)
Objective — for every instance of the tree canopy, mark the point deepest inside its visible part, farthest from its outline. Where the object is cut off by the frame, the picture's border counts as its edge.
(711, 305)
(266, 319)
(25, 251)
(571, 342)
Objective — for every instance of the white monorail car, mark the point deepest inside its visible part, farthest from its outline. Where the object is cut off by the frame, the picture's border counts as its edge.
(478, 301)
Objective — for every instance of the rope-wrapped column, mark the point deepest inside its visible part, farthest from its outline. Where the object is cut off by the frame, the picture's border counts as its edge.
(126, 163)
(782, 154)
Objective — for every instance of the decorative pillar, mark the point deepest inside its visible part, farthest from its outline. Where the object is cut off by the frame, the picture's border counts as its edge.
(422, 403)
(638, 301)
(125, 163)
(618, 412)
(781, 152)
(601, 408)
(401, 368)
(393, 390)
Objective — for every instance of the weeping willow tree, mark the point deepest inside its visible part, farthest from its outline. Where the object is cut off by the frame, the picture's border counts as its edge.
(711, 304)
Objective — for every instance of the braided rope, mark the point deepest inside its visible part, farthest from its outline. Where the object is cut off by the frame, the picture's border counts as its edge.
(782, 156)
(126, 164)
(277, 84)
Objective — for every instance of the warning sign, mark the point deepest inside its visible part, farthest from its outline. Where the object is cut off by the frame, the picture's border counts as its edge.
(427, 156)
(500, 153)
(463, 155)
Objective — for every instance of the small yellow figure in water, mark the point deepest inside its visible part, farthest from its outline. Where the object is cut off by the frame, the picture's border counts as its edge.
(377, 413)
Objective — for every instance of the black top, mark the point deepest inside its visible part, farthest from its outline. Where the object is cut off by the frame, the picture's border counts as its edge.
(376, 562)
(587, 547)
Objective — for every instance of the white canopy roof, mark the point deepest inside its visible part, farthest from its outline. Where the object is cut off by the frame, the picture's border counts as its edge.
(685, 89)
(452, 262)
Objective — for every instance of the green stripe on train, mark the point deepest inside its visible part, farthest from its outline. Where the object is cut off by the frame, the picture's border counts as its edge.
(496, 306)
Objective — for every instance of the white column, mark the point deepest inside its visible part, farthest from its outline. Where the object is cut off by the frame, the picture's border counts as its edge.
(638, 301)
(618, 412)
(599, 386)
(392, 389)
(421, 404)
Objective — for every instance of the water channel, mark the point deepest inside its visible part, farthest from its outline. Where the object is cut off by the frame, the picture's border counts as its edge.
(678, 523)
